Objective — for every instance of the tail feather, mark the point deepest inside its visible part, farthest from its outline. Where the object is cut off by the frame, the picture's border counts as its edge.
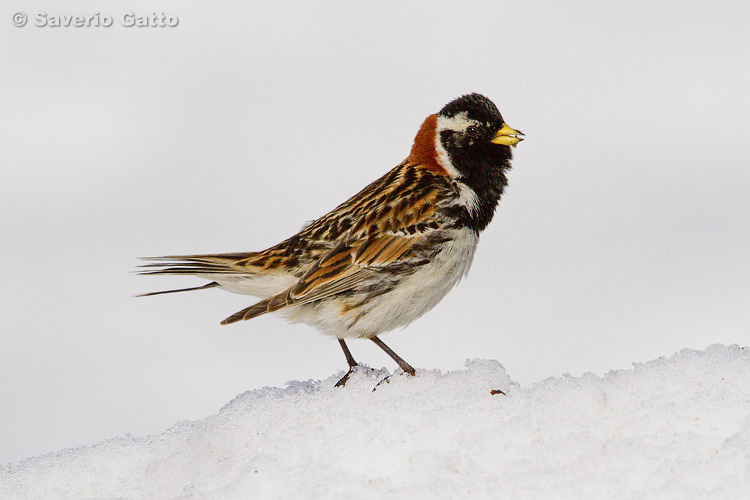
(271, 304)
(194, 264)
(214, 267)
(209, 285)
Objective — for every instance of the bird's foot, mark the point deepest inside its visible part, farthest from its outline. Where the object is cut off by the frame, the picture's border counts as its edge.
(387, 380)
(343, 380)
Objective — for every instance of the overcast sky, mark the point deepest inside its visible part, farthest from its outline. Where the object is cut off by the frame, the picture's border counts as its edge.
(623, 235)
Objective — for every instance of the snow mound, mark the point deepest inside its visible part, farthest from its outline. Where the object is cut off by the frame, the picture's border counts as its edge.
(676, 427)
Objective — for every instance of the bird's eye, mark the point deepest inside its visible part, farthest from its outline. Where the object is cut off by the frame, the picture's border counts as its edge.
(472, 131)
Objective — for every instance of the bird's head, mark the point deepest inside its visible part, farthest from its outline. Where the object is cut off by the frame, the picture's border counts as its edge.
(466, 137)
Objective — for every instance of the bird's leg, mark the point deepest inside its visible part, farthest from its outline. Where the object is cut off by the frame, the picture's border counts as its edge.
(348, 354)
(403, 364)
(349, 360)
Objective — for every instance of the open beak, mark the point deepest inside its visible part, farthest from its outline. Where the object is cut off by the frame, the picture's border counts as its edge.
(507, 136)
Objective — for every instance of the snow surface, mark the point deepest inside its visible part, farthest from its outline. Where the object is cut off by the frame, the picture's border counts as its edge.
(676, 427)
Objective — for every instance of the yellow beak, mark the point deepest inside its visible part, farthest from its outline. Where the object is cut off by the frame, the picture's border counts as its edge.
(507, 136)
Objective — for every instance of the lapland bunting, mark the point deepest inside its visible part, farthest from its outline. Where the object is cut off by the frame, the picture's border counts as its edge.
(389, 253)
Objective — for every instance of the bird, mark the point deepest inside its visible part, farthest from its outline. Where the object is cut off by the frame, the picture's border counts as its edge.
(388, 254)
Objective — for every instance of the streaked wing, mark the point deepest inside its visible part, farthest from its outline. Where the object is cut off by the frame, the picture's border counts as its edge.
(348, 265)
(397, 235)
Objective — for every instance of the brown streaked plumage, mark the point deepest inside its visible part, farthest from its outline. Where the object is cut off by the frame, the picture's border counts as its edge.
(389, 253)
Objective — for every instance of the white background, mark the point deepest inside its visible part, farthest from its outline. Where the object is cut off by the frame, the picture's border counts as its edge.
(623, 235)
